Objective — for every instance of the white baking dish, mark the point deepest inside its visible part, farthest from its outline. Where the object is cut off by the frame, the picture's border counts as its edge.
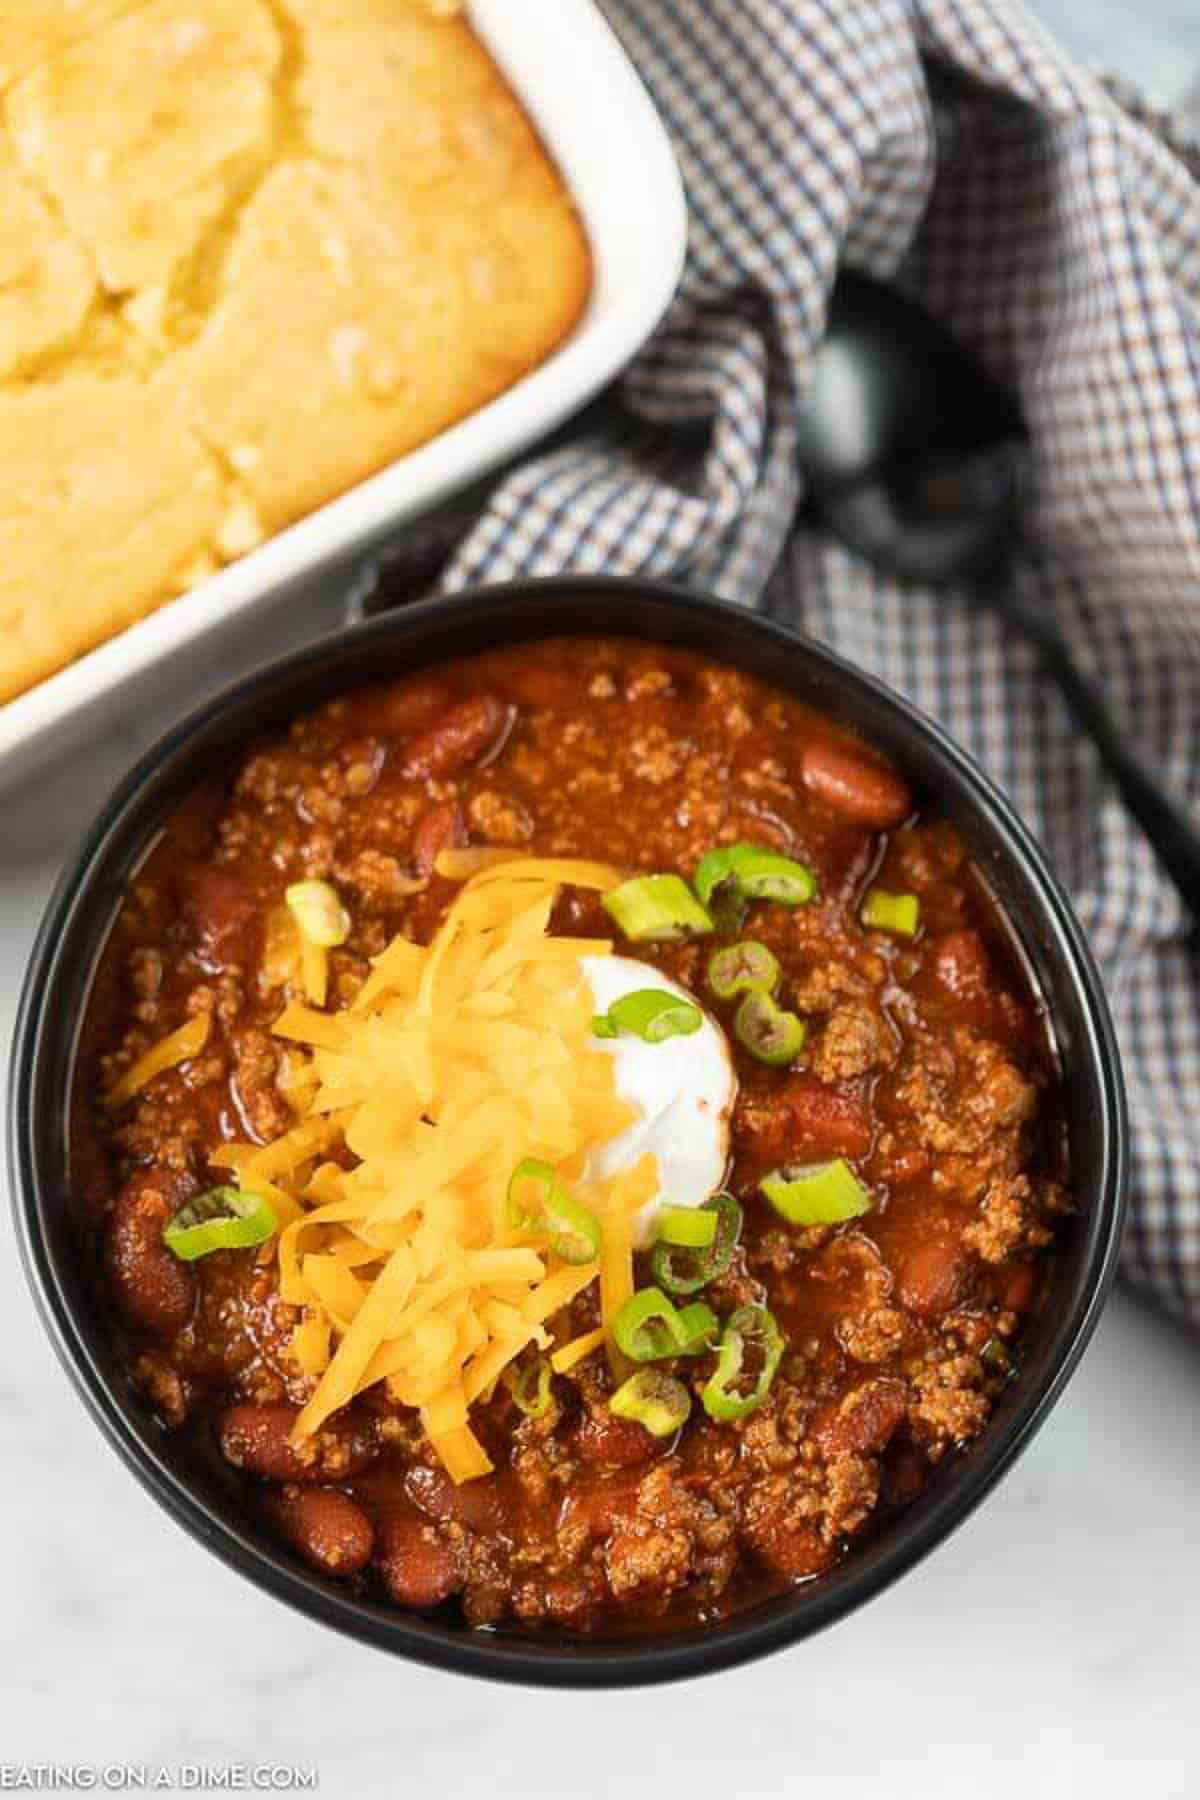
(600, 125)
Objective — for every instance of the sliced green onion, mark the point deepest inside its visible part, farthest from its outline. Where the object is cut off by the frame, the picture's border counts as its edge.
(766, 1030)
(696, 1327)
(319, 912)
(900, 913)
(765, 875)
(692, 1227)
(529, 1386)
(714, 882)
(740, 968)
(733, 1391)
(643, 1328)
(224, 1218)
(995, 1356)
(682, 1272)
(650, 1014)
(821, 1194)
(712, 872)
(655, 1400)
(649, 1327)
(656, 906)
(553, 1212)
(755, 873)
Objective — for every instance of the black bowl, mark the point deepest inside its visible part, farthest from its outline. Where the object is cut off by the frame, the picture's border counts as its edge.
(187, 1480)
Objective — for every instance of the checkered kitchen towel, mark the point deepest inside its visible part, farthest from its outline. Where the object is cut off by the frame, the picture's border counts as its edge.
(1060, 235)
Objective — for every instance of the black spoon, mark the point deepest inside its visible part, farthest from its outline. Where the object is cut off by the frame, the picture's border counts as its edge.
(916, 459)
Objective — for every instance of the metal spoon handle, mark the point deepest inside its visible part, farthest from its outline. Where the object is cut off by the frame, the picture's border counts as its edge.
(1166, 822)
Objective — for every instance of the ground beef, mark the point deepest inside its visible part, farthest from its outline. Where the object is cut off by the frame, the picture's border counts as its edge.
(948, 1407)
(256, 1065)
(875, 1336)
(960, 1094)
(499, 819)
(671, 1536)
(1010, 1220)
(855, 1040)
(381, 879)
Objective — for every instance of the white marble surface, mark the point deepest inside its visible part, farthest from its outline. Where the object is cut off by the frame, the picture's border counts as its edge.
(1052, 1647)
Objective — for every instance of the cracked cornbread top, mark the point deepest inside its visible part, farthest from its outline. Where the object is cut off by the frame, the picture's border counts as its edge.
(250, 252)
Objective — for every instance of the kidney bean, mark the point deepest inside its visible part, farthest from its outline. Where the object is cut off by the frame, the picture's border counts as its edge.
(1014, 1286)
(329, 1529)
(622, 1443)
(467, 734)
(758, 824)
(865, 1421)
(539, 686)
(404, 707)
(222, 915)
(579, 913)
(824, 1120)
(417, 1569)
(850, 857)
(598, 1508)
(441, 828)
(153, 1288)
(900, 1163)
(961, 964)
(857, 788)
(928, 1275)
(571, 1600)
(477, 1504)
(786, 1548)
(801, 1117)
(257, 1437)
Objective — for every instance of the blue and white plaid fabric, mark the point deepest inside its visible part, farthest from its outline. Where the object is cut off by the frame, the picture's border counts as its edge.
(1059, 234)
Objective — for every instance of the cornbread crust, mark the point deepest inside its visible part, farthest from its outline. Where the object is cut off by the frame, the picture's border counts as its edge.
(105, 496)
(46, 281)
(251, 251)
(38, 29)
(144, 133)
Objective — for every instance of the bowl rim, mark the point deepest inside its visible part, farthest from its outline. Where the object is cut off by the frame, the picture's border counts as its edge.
(746, 1635)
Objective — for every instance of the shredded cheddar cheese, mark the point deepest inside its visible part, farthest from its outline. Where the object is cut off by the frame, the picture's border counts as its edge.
(460, 865)
(323, 924)
(281, 947)
(452, 1064)
(178, 1047)
(314, 964)
(576, 1351)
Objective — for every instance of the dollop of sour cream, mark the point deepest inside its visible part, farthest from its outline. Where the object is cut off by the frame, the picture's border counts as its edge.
(683, 1090)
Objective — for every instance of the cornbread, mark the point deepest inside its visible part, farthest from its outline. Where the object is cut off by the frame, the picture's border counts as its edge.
(250, 252)
(31, 32)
